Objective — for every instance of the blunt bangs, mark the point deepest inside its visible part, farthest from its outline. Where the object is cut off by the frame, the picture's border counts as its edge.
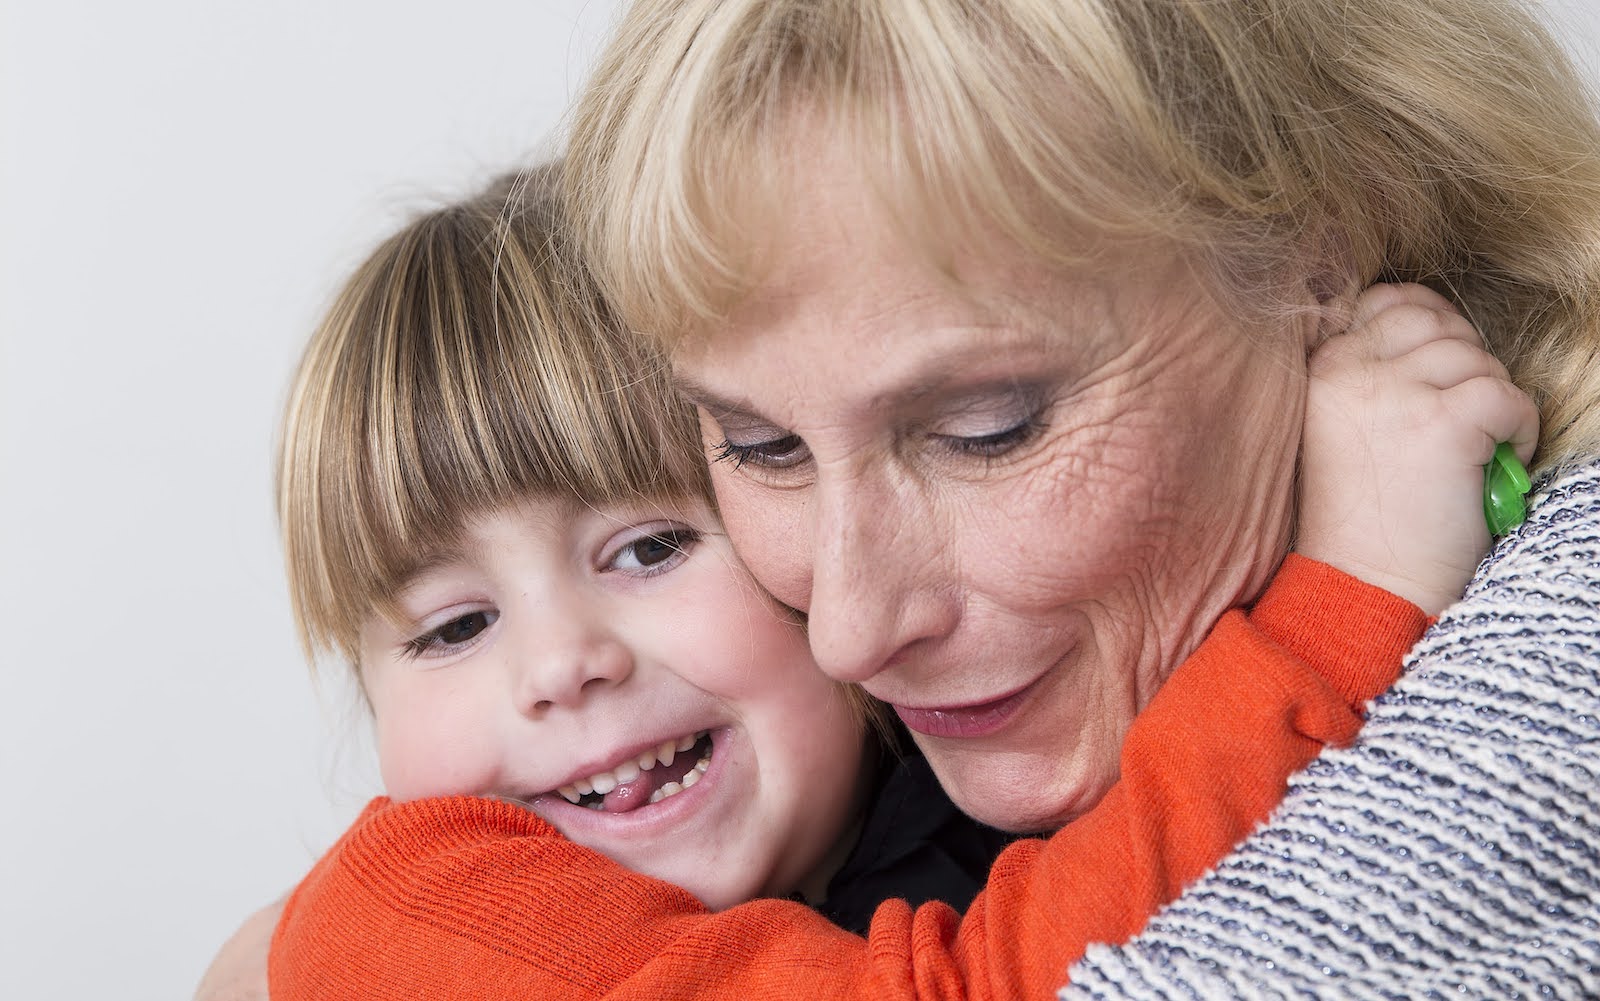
(469, 363)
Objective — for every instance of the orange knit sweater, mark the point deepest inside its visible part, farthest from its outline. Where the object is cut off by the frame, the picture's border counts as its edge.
(476, 898)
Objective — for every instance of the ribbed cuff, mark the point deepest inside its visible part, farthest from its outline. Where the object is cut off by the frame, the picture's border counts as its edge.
(1352, 633)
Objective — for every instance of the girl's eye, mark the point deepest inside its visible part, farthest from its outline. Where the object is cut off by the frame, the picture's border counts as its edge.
(774, 453)
(996, 443)
(655, 553)
(451, 636)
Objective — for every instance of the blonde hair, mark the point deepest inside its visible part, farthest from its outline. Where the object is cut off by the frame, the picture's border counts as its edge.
(1447, 142)
(467, 363)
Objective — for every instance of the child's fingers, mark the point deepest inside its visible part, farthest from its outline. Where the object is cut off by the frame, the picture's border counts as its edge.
(1449, 362)
(1401, 330)
(1378, 298)
(1501, 410)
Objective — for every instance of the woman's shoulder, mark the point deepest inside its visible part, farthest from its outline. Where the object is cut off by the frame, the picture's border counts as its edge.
(1456, 847)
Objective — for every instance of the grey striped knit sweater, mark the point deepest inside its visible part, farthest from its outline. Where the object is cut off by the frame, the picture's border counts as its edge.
(1454, 852)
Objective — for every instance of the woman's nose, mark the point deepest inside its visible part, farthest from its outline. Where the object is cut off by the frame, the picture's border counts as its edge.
(881, 584)
(566, 662)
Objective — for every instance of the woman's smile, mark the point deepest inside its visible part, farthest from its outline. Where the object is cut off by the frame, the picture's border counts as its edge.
(995, 494)
(974, 720)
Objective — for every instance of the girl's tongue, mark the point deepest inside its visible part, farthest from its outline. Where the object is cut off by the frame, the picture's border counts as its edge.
(630, 796)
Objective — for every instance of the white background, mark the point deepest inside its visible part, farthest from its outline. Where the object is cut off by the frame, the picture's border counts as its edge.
(184, 183)
(181, 186)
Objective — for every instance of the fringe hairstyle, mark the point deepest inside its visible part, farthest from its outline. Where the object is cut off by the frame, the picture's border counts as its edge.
(1447, 142)
(468, 362)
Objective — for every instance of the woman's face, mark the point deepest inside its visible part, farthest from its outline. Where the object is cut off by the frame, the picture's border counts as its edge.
(1010, 503)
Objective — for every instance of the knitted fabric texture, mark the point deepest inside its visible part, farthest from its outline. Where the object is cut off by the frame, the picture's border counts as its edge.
(466, 897)
(1454, 851)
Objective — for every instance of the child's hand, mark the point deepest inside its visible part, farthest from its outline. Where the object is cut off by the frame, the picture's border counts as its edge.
(1404, 409)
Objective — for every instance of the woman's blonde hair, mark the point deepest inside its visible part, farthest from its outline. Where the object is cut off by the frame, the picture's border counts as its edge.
(467, 363)
(1275, 142)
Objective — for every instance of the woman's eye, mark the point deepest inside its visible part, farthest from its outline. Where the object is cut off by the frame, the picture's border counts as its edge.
(995, 443)
(655, 553)
(774, 453)
(450, 636)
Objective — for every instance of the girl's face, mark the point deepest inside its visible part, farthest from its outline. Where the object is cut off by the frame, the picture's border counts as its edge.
(1009, 501)
(617, 671)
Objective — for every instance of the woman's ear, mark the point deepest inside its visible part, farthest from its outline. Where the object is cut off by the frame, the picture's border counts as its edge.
(1331, 285)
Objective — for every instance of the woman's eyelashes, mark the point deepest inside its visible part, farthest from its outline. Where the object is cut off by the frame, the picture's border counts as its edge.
(452, 636)
(994, 444)
(782, 452)
(961, 438)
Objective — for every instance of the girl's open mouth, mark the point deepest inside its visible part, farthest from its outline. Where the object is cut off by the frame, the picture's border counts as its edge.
(655, 775)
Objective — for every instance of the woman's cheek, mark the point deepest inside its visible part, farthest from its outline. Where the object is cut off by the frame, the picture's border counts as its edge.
(768, 531)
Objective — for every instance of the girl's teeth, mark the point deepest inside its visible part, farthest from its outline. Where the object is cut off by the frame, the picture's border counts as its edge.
(604, 782)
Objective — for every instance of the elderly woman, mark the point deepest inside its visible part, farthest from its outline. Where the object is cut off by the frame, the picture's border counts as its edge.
(990, 312)
(998, 315)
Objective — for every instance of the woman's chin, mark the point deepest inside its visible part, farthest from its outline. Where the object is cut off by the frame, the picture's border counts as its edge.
(1017, 792)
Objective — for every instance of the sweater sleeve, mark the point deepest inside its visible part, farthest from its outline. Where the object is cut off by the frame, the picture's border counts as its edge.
(1454, 850)
(475, 898)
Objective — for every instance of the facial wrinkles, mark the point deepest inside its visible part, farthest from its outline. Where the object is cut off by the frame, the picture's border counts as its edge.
(1194, 391)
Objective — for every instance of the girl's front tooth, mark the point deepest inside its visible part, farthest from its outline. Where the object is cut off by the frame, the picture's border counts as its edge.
(647, 760)
(569, 793)
(626, 772)
(583, 787)
(666, 752)
(604, 782)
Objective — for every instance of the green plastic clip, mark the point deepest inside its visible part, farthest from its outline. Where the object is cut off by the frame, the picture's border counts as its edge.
(1505, 481)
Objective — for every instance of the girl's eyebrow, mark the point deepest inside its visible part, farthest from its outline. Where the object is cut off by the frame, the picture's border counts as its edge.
(434, 560)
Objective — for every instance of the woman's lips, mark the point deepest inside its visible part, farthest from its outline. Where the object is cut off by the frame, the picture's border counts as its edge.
(965, 721)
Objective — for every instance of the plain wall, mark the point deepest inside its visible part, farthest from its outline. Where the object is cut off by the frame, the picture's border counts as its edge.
(183, 183)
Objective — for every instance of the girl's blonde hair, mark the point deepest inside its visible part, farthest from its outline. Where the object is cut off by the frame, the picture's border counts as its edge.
(1275, 142)
(467, 363)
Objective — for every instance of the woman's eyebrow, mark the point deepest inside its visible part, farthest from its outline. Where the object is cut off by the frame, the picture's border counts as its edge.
(950, 378)
(701, 396)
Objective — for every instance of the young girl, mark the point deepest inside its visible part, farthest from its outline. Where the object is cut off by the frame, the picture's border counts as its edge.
(491, 510)
(496, 509)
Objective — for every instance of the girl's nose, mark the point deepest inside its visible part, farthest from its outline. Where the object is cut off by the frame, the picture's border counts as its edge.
(566, 663)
